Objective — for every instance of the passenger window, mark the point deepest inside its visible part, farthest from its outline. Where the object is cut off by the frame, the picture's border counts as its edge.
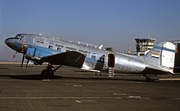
(94, 57)
(50, 47)
(59, 49)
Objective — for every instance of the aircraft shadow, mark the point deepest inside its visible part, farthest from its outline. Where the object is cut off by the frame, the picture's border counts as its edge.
(39, 77)
(4, 68)
(107, 79)
(29, 77)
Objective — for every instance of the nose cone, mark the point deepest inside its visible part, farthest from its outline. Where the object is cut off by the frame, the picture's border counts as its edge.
(13, 43)
(10, 42)
(6, 41)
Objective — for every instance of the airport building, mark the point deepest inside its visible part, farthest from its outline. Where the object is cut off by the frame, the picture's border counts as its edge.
(143, 45)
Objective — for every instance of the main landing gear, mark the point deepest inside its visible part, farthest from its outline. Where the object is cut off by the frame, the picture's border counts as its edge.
(148, 78)
(49, 71)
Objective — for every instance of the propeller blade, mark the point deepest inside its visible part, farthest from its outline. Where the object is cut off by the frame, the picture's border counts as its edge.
(27, 63)
(22, 61)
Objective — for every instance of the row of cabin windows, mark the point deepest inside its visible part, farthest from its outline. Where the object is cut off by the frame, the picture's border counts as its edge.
(59, 49)
(40, 42)
(50, 47)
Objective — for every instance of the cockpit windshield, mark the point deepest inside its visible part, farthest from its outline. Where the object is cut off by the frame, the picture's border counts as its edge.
(19, 36)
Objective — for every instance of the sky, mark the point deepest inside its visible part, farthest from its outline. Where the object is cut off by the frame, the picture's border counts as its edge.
(113, 23)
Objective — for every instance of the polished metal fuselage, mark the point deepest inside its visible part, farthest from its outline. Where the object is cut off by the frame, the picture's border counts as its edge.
(96, 59)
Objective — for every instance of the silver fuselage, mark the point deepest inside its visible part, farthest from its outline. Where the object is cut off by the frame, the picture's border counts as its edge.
(96, 59)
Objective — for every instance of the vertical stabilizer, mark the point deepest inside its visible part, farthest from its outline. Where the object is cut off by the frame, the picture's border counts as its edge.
(162, 56)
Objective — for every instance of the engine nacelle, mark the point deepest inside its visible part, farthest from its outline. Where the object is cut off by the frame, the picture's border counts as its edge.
(37, 53)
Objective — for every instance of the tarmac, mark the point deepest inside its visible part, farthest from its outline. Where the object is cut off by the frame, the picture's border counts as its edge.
(73, 89)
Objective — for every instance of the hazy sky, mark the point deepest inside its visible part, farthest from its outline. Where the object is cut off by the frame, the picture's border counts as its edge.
(114, 23)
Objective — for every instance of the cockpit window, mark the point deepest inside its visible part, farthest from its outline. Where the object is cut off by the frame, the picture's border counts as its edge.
(19, 36)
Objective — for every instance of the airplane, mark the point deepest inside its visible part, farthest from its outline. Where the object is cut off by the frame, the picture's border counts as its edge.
(54, 51)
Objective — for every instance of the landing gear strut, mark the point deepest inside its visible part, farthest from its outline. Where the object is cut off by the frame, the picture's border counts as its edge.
(96, 73)
(148, 78)
(49, 72)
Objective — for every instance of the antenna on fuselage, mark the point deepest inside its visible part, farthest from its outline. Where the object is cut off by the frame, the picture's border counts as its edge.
(100, 47)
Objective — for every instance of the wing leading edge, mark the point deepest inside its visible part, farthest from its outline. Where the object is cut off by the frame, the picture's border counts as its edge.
(71, 58)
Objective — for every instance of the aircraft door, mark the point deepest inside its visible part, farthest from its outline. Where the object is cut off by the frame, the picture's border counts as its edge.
(100, 63)
(110, 60)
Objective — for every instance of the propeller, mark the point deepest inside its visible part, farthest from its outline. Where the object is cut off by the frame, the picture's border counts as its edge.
(22, 61)
(24, 48)
(27, 63)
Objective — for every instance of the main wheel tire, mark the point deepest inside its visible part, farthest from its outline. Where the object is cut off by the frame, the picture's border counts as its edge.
(149, 79)
(46, 74)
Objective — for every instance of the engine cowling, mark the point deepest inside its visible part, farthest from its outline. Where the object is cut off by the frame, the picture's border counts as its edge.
(37, 53)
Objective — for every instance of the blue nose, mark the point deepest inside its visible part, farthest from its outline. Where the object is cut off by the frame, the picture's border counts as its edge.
(10, 42)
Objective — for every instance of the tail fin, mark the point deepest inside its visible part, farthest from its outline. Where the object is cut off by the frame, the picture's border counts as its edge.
(162, 56)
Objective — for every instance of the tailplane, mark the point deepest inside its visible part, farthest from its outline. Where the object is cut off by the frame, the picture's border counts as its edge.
(162, 56)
